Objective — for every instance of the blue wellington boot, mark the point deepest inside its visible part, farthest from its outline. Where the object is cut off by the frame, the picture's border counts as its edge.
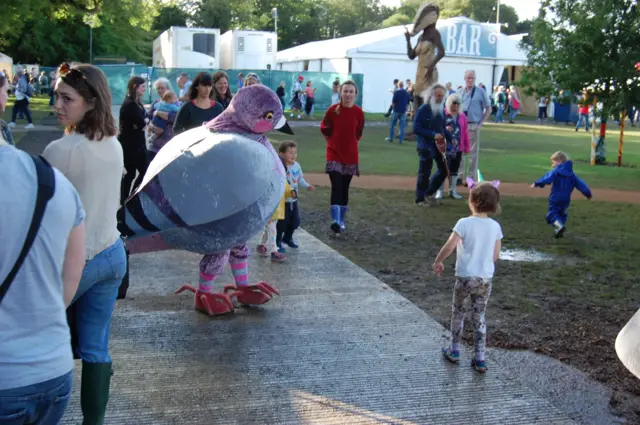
(343, 213)
(335, 218)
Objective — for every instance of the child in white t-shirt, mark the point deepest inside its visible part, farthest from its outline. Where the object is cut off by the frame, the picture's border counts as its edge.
(477, 240)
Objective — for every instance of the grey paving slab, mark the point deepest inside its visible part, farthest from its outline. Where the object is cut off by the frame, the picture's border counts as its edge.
(337, 347)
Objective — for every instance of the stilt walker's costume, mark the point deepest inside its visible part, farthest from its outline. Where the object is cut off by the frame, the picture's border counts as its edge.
(208, 191)
(429, 51)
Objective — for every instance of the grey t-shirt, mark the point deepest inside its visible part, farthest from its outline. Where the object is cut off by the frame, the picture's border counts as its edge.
(474, 106)
(34, 335)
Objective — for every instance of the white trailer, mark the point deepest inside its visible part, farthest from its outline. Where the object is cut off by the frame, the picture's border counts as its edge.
(248, 50)
(180, 47)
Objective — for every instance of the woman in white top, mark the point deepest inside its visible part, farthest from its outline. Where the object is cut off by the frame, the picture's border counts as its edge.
(90, 156)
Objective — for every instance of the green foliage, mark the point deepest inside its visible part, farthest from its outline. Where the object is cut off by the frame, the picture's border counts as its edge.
(48, 32)
(484, 11)
(397, 19)
(169, 16)
(587, 45)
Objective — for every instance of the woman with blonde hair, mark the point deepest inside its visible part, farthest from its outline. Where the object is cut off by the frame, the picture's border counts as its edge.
(457, 129)
(91, 157)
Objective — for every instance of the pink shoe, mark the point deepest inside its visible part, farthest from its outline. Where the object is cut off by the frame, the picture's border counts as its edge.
(213, 304)
(262, 250)
(257, 294)
(276, 257)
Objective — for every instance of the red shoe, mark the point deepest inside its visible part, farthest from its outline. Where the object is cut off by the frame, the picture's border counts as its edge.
(260, 293)
(262, 250)
(213, 304)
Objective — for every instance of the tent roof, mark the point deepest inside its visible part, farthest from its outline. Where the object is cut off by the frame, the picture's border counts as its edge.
(378, 41)
(5, 58)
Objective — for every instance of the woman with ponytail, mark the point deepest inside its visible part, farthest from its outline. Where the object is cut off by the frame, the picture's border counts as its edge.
(342, 127)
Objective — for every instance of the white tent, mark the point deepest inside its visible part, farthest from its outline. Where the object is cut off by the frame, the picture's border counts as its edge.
(6, 63)
(381, 56)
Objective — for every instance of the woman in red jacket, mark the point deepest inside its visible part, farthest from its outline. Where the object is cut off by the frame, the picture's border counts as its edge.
(342, 127)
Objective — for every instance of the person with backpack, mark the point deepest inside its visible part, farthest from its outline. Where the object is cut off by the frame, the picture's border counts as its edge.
(42, 258)
(500, 100)
(23, 93)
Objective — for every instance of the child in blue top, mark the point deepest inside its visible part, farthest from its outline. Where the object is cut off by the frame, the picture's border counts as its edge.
(288, 152)
(477, 241)
(169, 103)
(563, 181)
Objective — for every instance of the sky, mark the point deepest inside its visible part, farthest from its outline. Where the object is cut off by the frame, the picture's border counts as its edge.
(526, 9)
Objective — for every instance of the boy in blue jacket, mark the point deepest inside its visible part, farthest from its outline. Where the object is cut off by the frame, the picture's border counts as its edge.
(563, 181)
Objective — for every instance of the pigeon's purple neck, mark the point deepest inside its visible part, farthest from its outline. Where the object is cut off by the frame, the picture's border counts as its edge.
(225, 123)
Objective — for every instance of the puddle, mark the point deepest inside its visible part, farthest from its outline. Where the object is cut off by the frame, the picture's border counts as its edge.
(529, 256)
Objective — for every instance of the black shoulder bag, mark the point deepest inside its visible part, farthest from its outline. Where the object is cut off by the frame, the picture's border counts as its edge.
(46, 189)
(473, 92)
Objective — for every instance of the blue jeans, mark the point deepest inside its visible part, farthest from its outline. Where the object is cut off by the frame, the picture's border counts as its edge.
(37, 404)
(95, 301)
(500, 113)
(513, 113)
(398, 116)
(585, 118)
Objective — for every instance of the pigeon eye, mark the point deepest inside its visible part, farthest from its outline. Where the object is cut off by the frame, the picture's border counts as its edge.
(268, 115)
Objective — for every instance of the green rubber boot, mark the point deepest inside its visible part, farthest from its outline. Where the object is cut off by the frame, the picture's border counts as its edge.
(94, 392)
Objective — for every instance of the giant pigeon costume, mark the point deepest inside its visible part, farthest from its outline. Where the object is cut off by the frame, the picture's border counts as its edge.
(208, 191)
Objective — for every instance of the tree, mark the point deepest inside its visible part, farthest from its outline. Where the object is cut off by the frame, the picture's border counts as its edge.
(448, 8)
(397, 19)
(485, 11)
(49, 32)
(169, 16)
(589, 45)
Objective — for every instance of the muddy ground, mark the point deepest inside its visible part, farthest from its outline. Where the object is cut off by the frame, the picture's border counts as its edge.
(570, 308)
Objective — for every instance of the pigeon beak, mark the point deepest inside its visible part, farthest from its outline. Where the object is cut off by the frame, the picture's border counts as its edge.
(283, 126)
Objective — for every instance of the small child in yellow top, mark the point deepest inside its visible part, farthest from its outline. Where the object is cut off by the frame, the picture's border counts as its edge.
(268, 239)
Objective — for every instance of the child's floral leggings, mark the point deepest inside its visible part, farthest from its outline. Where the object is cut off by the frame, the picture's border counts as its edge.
(478, 290)
(268, 237)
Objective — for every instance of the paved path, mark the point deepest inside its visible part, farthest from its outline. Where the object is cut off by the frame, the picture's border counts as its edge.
(338, 347)
(509, 189)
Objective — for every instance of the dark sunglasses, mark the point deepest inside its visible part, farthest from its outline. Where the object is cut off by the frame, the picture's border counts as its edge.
(455, 103)
(74, 76)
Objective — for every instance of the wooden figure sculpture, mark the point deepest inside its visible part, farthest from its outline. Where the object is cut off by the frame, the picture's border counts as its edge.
(429, 50)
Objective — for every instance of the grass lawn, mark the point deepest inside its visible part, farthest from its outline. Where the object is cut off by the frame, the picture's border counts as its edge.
(39, 109)
(511, 153)
(571, 307)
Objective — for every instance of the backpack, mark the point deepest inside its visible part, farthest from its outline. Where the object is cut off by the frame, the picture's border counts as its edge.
(29, 92)
(46, 190)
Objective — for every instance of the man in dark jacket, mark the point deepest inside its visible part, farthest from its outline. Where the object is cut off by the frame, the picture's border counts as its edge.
(399, 106)
(429, 126)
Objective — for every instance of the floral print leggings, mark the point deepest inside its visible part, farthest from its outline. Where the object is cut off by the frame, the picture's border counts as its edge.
(478, 290)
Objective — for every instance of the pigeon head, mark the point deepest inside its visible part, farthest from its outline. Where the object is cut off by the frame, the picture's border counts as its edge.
(255, 109)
